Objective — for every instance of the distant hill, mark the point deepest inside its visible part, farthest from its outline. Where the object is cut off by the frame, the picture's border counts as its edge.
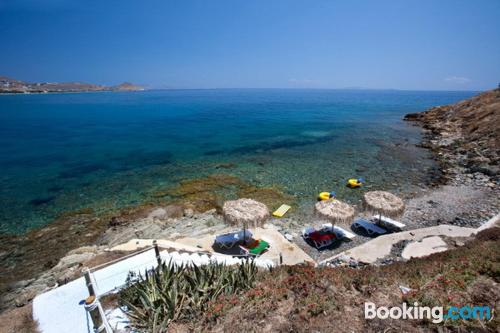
(8, 85)
(127, 86)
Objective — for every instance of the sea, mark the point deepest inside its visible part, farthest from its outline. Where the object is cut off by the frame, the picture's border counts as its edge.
(105, 151)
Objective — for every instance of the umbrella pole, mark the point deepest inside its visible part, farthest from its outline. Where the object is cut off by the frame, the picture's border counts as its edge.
(244, 233)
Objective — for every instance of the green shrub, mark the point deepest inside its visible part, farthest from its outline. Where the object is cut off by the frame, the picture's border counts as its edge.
(179, 292)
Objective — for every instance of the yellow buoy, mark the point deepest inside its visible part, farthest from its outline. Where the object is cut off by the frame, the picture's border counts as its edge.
(326, 195)
(354, 182)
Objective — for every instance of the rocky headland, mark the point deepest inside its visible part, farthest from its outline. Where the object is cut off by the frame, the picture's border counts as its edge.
(465, 138)
(12, 86)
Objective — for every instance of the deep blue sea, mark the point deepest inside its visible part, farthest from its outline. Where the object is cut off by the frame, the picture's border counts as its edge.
(63, 152)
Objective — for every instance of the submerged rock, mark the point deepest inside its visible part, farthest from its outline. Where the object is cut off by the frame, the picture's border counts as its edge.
(271, 197)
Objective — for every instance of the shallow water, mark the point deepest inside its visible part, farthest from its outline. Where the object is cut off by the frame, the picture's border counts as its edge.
(64, 152)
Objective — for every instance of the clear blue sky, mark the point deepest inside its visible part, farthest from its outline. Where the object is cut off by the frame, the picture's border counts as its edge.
(421, 44)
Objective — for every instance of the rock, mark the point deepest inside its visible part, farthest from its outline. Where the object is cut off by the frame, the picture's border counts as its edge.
(344, 258)
(158, 214)
(73, 260)
(225, 166)
(116, 221)
(25, 297)
(464, 138)
(175, 235)
(21, 284)
(289, 237)
(212, 212)
(174, 211)
(188, 212)
(245, 211)
(413, 117)
(489, 170)
(84, 249)
(67, 276)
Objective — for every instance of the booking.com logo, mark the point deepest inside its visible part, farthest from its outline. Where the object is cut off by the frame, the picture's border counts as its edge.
(436, 314)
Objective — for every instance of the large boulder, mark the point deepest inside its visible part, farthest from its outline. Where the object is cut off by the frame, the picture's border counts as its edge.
(245, 212)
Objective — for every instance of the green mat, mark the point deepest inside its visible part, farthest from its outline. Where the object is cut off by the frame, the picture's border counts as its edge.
(263, 245)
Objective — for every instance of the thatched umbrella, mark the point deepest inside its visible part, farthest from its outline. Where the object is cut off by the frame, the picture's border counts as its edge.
(245, 212)
(335, 211)
(381, 202)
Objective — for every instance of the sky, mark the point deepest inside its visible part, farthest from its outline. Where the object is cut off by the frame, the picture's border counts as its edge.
(383, 44)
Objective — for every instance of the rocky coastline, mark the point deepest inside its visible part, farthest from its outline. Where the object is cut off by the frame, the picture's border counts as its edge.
(465, 139)
(468, 194)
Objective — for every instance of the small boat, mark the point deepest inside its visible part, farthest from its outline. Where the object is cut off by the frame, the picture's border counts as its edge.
(355, 182)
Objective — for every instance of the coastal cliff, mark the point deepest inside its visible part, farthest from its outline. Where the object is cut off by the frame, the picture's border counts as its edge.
(465, 138)
(12, 86)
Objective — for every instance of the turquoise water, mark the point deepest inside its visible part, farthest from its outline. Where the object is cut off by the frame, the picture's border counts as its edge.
(63, 152)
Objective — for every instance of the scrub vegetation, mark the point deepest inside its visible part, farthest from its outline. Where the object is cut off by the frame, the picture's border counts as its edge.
(181, 293)
(305, 299)
(302, 298)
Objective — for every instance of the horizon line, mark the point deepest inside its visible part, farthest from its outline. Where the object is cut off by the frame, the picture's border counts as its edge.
(316, 88)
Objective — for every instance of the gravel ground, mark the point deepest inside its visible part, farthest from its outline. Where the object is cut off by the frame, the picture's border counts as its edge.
(463, 205)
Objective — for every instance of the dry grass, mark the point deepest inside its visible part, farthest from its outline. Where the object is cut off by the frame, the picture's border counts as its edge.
(304, 299)
(18, 320)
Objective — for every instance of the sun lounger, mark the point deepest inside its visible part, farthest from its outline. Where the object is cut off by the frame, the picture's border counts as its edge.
(342, 233)
(307, 231)
(256, 249)
(338, 231)
(319, 239)
(370, 228)
(388, 223)
(281, 211)
(227, 241)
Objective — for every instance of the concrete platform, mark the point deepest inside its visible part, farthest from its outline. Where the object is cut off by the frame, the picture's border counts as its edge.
(381, 246)
(292, 254)
(424, 247)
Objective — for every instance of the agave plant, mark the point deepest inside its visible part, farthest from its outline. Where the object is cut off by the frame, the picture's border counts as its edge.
(171, 292)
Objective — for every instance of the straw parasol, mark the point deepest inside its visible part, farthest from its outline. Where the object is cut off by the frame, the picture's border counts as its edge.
(245, 212)
(335, 211)
(383, 203)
